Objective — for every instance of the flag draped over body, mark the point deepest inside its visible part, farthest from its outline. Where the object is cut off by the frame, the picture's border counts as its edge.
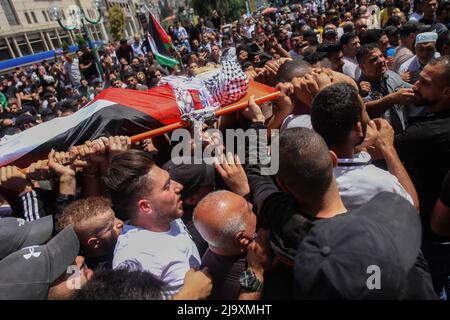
(160, 43)
(112, 112)
(127, 112)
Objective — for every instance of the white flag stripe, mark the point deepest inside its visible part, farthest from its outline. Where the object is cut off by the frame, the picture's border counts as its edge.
(14, 147)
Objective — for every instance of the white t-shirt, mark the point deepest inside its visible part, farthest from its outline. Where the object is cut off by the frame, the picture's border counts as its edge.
(167, 255)
(351, 68)
(359, 181)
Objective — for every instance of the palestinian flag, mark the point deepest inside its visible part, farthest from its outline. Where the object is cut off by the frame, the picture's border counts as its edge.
(112, 112)
(160, 43)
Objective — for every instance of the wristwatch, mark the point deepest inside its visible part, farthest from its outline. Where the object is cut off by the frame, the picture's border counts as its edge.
(250, 282)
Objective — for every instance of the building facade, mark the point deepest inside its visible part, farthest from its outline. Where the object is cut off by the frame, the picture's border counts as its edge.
(26, 27)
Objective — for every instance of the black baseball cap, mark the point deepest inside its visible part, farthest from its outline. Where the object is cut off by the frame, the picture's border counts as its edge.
(28, 273)
(391, 31)
(338, 255)
(16, 233)
(371, 36)
(192, 176)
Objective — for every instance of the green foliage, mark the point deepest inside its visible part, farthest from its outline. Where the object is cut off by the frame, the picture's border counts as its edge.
(231, 9)
(79, 40)
(65, 46)
(116, 19)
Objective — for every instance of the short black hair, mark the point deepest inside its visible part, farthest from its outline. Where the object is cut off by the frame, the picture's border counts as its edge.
(408, 28)
(291, 69)
(305, 167)
(365, 50)
(443, 39)
(315, 57)
(329, 48)
(371, 36)
(393, 21)
(122, 284)
(335, 112)
(347, 37)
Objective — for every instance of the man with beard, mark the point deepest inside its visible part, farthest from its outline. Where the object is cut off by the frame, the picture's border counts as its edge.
(339, 115)
(424, 146)
(425, 51)
(387, 92)
(425, 150)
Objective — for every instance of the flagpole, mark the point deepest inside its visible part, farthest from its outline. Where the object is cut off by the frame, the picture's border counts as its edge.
(220, 112)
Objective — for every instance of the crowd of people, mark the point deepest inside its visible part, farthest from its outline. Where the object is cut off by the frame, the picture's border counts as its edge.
(360, 205)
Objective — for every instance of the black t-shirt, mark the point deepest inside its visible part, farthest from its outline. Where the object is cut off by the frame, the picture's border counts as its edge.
(425, 151)
(216, 23)
(10, 92)
(90, 72)
(125, 51)
(225, 272)
(445, 191)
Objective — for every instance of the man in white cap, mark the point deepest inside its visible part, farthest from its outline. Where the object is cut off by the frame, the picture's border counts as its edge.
(425, 51)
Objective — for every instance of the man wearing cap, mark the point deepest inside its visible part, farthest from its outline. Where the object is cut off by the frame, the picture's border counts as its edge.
(425, 48)
(154, 235)
(425, 51)
(371, 253)
(405, 51)
(16, 233)
(392, 34)
(226, 221)
(41, 272)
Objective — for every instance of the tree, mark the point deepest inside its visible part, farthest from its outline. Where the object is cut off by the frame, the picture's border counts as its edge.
(116, 19)
(65, 46)
(79, 40)
(231, 9)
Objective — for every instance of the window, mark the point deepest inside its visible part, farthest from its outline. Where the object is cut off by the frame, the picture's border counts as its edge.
(10, 12)
(36, 42)
(44, 13)
(27, 17)
(23, 45)
(34, 17)
(4, 52)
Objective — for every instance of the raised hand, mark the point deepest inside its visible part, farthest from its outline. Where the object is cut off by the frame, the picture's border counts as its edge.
(232, 172)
